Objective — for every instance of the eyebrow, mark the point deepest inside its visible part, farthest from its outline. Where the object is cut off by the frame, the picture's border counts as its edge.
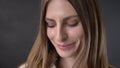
(64, 19)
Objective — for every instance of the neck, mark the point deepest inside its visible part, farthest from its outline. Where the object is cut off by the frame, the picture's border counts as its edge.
(66, 62)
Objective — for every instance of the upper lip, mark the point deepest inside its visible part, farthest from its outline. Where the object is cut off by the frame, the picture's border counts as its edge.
(64, 44)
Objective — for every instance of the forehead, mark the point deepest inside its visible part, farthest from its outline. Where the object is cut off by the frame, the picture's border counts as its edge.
(59, 3)
(57, 0)
(60, 8)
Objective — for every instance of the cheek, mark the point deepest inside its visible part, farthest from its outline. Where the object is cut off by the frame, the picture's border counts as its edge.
(50, 33)
(76, 33)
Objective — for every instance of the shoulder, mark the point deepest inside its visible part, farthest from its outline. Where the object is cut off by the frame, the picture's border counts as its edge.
(111, 66)
(22, 66)
(53, 66)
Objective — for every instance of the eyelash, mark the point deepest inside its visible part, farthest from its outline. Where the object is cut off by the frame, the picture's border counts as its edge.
(51, 26)
(73, 24)
(70, 25)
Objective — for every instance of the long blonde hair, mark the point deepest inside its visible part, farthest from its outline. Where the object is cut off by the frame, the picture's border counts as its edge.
(92, 52)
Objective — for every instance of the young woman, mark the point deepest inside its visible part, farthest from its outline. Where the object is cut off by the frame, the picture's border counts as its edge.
(71, 35)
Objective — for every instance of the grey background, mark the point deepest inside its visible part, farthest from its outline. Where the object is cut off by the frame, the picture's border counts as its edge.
(19, 20)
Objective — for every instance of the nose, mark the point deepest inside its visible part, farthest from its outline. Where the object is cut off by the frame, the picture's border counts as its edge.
(61, 34)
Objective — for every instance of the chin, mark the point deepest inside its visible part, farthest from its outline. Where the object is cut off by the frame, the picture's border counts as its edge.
(66, 54)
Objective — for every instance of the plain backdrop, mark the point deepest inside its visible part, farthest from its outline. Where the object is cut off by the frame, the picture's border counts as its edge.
(19, 21)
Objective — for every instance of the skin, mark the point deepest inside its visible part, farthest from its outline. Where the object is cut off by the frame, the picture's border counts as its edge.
(65, 31)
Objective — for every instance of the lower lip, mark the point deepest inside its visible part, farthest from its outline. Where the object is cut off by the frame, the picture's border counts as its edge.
(66, 47)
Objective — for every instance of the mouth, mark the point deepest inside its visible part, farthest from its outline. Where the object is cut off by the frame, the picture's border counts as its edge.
(65, 47)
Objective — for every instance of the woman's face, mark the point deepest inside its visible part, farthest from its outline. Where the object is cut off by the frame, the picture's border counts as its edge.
(64, 28)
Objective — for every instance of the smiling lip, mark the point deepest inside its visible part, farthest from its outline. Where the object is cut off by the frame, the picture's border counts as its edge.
(66, 46)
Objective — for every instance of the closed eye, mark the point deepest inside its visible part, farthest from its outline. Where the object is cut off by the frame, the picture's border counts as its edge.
(50, 24)
(72, 22)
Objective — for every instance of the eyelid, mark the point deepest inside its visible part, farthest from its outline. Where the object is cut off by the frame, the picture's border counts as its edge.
(50, 24)
(72, 23)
